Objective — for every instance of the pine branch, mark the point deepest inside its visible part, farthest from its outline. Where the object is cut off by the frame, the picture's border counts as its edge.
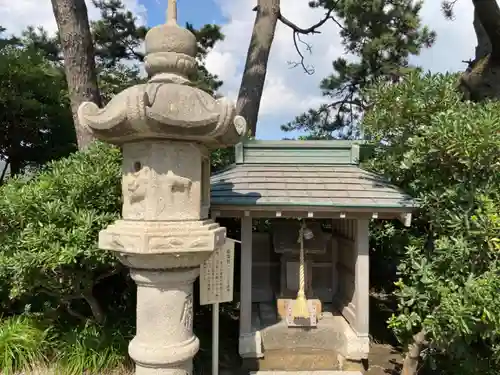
(312, 29)
(297, 31)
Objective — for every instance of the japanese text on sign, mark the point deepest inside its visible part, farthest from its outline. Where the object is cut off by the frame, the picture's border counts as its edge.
(216, 276)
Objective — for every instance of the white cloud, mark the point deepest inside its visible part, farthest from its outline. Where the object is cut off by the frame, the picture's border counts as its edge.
(456, 39)
(287, 91)
(16, 15)
(222, 63)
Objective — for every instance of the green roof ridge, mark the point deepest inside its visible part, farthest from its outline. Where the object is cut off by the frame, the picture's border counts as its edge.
(316, 152)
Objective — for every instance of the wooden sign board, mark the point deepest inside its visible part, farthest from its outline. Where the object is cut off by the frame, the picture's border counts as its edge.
(216, 276)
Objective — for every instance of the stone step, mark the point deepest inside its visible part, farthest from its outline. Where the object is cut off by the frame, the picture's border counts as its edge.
(305, 373)
(295, 360)
(329, 335)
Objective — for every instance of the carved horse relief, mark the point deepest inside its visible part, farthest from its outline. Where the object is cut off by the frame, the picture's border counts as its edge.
(144, 181)
(137, 184)
(178, 184)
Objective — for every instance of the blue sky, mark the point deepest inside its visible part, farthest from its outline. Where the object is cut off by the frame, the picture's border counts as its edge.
(200, 12)
(197, 12)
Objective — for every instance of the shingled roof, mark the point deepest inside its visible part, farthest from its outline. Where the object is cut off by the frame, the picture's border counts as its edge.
(304, 173)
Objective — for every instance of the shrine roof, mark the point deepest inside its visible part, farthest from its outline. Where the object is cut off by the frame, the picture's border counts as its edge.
(304, 173)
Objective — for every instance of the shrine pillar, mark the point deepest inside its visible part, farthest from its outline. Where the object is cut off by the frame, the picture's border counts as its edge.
(166, 128)
(250, 341)
(360, 347)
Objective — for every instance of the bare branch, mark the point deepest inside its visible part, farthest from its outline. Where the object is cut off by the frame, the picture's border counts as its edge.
(448, 9)
(307, 69)
(297, 31)
(470, 64)
(346, 101)
(310, 30)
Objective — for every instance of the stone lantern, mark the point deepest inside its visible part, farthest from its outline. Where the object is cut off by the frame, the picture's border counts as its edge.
(166, 129)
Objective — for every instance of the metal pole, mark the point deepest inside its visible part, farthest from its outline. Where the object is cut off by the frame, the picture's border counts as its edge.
(215, 339)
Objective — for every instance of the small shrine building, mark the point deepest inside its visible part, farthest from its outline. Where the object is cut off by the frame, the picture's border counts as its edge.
(322, 183)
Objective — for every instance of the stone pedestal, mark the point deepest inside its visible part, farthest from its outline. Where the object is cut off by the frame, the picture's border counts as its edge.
(166, 129)
(250, 345)
(165, 343)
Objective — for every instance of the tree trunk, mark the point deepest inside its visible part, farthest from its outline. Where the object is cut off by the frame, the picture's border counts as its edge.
(483, 47)
(4, 171)
(482, 79)
(254, 74)
(95, 306)
(78, 50)
(412, 359)
(15, 166)
(487, 16)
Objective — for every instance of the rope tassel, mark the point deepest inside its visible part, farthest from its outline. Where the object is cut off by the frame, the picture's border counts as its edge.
(300, 308)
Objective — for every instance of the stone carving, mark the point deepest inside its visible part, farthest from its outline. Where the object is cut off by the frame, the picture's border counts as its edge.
(166, 128)
(187, 313)
(198, 243)
(116, 243)
(161, 180)
(154, 63)
(240, 124)
(137, 185)
(161, 237)
(184, 112)
(166, 243)
(178, 184)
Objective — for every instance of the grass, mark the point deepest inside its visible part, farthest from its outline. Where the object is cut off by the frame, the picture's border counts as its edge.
(27, 348)
(54, 370)
(91, 349)
(23, 342)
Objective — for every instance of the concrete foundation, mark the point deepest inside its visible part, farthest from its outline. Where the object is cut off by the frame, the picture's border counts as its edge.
(333, 338)
(306, 373)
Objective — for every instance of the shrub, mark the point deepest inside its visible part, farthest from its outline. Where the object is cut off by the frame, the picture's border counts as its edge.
(446, 153)
(49, 226)
(50, 262)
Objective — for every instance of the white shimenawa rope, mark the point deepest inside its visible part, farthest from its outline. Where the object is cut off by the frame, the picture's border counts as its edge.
(300, 308)
(302, 266)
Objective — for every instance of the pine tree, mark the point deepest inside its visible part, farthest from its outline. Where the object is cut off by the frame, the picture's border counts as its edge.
(117, 38)
(381, 35)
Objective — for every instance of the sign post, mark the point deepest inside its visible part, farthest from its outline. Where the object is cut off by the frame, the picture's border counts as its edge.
(216, 286)
(215, 338)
